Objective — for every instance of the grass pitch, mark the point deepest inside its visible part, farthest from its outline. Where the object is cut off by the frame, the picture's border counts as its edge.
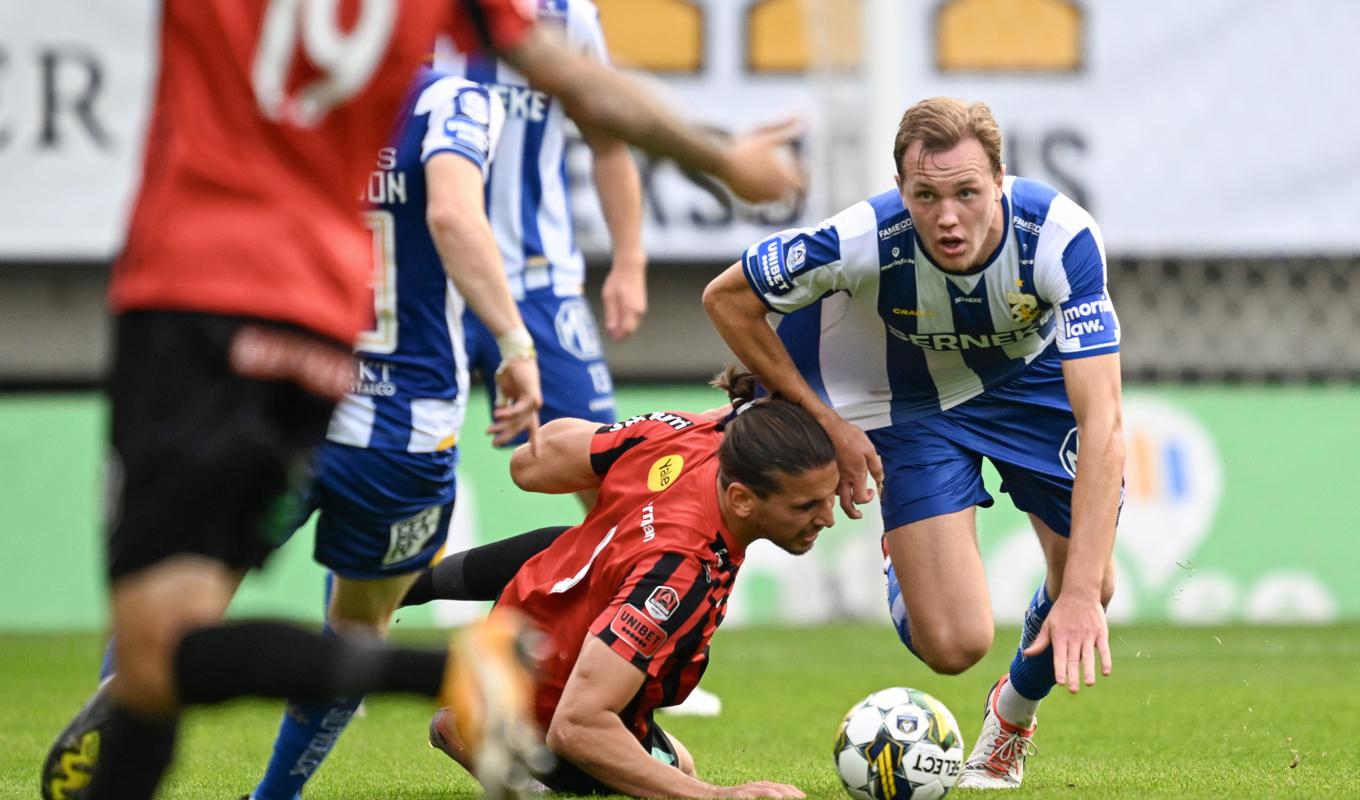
(1189, 712)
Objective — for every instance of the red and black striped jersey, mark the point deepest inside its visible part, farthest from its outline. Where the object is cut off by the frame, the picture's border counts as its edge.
(648, 571)
(256, 154)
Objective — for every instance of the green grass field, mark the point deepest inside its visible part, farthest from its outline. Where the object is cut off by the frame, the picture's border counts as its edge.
(1189, 712)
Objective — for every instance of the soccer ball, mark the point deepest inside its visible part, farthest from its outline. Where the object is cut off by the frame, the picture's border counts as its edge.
(898, 744)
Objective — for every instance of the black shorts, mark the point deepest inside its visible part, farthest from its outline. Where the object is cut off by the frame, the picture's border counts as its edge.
(569, 778)
(202, 459)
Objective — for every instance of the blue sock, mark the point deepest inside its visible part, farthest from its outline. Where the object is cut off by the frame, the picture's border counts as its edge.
(1032, 676)
(106, 668)
(306, 736)
(897, 607)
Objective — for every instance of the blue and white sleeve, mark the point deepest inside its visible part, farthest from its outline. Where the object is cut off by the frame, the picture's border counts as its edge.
(795, 268)
(1071, 274)
(468, 124)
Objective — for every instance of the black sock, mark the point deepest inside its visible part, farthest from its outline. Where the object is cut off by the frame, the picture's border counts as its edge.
(481, 573)
(275, 659)
(134, 753)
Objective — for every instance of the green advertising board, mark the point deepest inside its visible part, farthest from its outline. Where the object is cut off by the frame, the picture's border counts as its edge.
(1237, 509)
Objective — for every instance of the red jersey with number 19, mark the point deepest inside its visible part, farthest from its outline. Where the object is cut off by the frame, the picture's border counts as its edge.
(648, 571)
(266, 120)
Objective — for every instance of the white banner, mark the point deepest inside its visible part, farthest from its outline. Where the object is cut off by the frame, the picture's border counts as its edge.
(76, 81)
(1219, 126)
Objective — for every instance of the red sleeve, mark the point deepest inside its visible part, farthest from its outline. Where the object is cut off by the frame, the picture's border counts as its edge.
(611, 442)
(663, 600)
(480, 25)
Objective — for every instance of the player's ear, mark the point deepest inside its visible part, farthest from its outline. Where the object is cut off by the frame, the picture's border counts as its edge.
(741, 499)
(1001, 175)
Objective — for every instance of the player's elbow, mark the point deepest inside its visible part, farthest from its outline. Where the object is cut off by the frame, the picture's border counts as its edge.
(568, 738)
(444, 218)
(718, 296)
(523, 469)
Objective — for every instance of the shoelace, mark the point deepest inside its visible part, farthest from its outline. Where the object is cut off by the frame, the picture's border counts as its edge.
(1008, 748)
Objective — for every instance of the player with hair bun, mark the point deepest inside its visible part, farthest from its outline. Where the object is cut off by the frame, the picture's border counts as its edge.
(628, 600)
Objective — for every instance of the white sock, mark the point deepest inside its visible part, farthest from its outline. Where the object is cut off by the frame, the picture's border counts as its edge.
(1015, 708)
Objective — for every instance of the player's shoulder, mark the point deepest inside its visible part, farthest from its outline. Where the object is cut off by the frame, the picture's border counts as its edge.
(1036, 206)
(436, 87)
(657, 420)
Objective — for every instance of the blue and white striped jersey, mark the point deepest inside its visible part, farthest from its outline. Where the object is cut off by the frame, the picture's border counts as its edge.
(885, 336)
(411, 389)
(527, 191)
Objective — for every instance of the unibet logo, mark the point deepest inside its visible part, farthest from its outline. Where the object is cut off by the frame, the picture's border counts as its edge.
(664, 471)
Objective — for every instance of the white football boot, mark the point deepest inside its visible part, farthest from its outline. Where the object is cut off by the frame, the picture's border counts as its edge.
(998, 757)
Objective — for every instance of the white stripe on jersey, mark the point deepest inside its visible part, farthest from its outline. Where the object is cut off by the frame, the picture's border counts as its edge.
(556, 261)
(857, 387)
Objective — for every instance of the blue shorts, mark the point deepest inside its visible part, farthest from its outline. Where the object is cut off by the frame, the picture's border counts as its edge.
(933, 465)
(382, 512)
(576, 381)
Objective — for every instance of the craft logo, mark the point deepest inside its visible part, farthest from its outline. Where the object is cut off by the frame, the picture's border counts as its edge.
(662, 603)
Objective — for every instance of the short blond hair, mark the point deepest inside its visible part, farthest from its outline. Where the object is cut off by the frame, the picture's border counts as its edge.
(942, 122)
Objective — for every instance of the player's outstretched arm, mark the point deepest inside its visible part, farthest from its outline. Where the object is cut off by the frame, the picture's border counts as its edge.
(739, 316)
(757, 166)
(561, 462)
(586, 729)
(624, 295)
(455, 212)
(1076, 626)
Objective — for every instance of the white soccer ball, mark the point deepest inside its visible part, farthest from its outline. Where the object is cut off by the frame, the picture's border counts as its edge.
(898, 744)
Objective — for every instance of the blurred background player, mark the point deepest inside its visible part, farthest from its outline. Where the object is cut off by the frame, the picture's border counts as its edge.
(384, 479)
(238, 297)
(530, 212)
(628, 600)
(964, 315)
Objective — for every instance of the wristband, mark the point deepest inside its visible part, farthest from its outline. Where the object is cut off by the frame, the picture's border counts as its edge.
(516, 343)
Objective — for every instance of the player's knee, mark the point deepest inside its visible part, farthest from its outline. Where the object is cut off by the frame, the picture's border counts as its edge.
(1107, 588)
(144, 673)
(683, 760)
(950, 650)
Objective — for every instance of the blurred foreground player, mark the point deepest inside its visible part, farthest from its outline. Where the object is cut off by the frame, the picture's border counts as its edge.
(629, 599)
(384, 485)
(238, 297)
(963, 315)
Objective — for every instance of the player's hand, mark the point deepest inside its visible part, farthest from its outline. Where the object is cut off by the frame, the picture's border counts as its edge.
(858, 461)
(761, 165)
(762, 789)
(1077, 630)
(518, 399)
(624, 295)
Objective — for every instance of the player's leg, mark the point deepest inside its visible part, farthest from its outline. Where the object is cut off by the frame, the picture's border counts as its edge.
(199, 458)
(945, 611)
(937, 591)
(1028, 431)
(1031, 677)
(683, 760)
(362, 611)
(482, 572)
(382, 515)
(206, 459)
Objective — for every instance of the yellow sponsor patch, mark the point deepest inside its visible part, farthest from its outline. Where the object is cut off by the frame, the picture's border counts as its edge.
(664, 471)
